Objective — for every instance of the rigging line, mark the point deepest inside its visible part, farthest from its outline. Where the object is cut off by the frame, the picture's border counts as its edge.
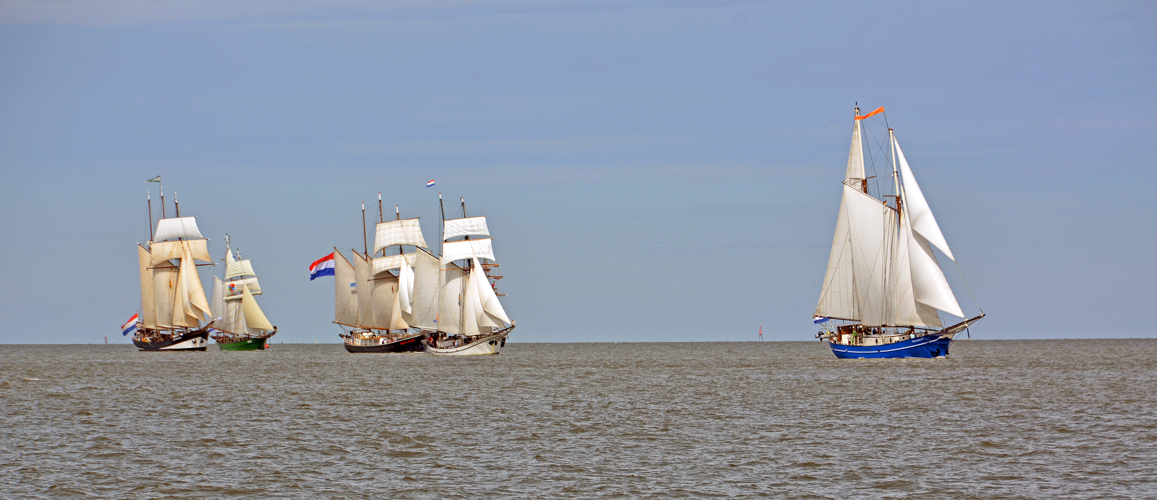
(966, 285)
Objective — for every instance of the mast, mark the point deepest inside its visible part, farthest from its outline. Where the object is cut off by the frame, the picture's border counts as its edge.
(162, 200)
(462, 290)
(176, 204)
(149, 198)
(442, 227)
(365, 243)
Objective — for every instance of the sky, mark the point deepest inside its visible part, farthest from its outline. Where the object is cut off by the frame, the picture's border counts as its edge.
(650, 170)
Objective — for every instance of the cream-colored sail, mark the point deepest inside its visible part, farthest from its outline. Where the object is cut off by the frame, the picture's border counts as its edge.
(387, 314)
(148, 296)
(467, 226)
(162, 251)
(235, 268)
(345, 301)
(389, 262)
(233, 287)
(217, 301)
(254, 318)
(165, 278)
(365, 290)
(398, 232)
(837, 298)
(196, 292)
(471, 306)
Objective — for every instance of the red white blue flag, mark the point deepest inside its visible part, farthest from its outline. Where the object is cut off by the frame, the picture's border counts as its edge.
(321, 267)
(130, 325)
(430, 184)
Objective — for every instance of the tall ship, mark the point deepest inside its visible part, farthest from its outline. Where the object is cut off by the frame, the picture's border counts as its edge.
(884, 290)
(173, 303)
(240, 324)
(471, 319)
(385, 300)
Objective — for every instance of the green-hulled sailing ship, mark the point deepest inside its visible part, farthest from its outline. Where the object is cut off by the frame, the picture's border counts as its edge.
(240, 323)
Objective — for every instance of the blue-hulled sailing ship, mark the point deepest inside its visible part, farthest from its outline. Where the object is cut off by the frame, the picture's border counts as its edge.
(884, 290)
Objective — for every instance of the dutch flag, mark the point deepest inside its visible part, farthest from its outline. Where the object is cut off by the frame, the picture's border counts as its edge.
(130, 325)
(430, 184)
(321, 267)
(819, 319)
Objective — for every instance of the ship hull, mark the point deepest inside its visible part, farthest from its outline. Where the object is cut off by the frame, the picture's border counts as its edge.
(197, 340)
(408, 344)
(488, 345)
(244, 345)
(928, 346)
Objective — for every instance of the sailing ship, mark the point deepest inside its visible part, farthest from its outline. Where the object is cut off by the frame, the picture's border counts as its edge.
(883, 287)
(240, 323)
(173, 304)
(385, 300)
(471, 319)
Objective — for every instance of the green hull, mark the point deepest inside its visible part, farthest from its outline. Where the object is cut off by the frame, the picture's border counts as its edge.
(244, 345)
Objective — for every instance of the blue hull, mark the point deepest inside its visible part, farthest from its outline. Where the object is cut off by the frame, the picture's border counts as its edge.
(930, 346)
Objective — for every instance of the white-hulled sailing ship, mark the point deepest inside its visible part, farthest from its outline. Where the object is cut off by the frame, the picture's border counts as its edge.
(240, 324)
(173, 304)
(884, 287)
(386, 301)
(471, 319)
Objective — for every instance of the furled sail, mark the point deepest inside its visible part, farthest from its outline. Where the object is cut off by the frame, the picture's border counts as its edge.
(177, 228)
(398, 232)
(467, 226)
(345, 301)
(467, 249)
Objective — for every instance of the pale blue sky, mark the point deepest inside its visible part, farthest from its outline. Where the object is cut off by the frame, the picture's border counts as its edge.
(651, 170)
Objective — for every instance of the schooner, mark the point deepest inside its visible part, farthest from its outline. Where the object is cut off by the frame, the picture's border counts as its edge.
(471, 319)
(240, 323)
(173, 304)
(883, 285)
(385, 300)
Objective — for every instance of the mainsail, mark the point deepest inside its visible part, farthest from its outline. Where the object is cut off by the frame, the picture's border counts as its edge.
(881, 269)
(171, 291)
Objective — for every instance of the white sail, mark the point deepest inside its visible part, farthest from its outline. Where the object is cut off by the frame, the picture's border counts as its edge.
(467, 226)
(837, 298)
(471, 306)
(872, 228)
(345, 301)
(450, 307)
(177, 228)
(365, 291)
(254, 318)
(389, 262)
(162, 251)
(923, 222)
(928, 284)
(148, 296)
(905, 309)
(233, 287)
(467, 249)
(406, 288)
(490, 304)
(423, 300)
(855, 173)
(191, 295)
(398, 232)
(387, 314)
(217, 303)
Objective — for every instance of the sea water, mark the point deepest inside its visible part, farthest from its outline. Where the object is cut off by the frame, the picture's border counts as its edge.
(996, 419)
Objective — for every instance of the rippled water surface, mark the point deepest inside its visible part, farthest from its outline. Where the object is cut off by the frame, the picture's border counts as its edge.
(997, 419)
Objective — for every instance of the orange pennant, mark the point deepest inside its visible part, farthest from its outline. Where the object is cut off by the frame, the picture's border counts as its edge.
(878, 110)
